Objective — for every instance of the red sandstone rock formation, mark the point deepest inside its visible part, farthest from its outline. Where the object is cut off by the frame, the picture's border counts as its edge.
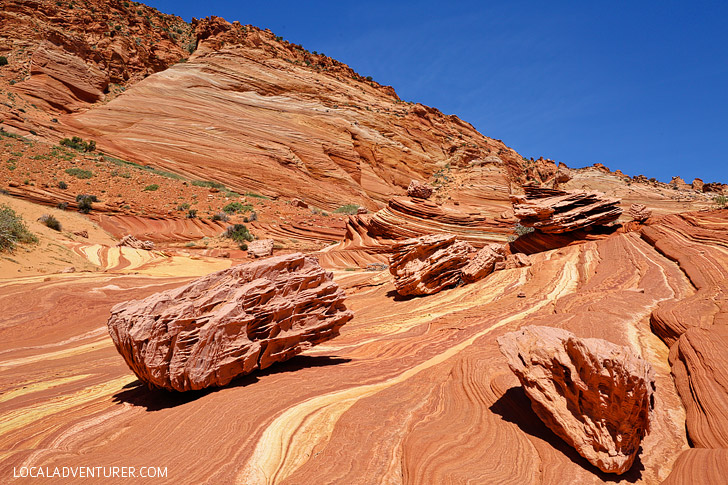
(557, 211)
(483, 263)
(260, 248)
(419, 190)
(229, 323)
(640, 212)
(595, 395)
(428, 264)
(132, 242)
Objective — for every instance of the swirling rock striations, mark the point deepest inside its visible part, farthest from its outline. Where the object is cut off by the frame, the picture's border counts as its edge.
(699, 465)
(428, 264)
(557, 211)
(640, 212)
(700, 368)
(229, 323)
(595, 395)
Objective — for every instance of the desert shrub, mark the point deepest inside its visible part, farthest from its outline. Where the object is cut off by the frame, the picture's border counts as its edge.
(237, 207)
(240, 234)
(3, 61)
(85, 202)
(150, 188)
(520, 230)
(79, 173)
(192, 213)
(257, 196)
(62, 205)
(721, 200)
(350, 209)
(77, 143)
(13, 229)
(50, 221)
(221, 216)
(62, 185)
(183, 206)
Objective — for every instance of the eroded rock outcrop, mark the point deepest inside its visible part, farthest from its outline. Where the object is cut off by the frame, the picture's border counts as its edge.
(428, 264)
(556, 211)
(595, 395)
(260, 248)
(419, 190)
(132, 242)
(483, 263)
(639, 212)
(229, 323)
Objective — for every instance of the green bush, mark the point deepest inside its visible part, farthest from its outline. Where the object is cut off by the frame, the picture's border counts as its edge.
(77, 143)
(183, 206)
(240, 234)
(721, 200)
(13, 229)
(221, 216)
(85, 202)
(62, 185)
(50, 221)
(192, 213)
(350, 209)
(151, 188)
(3, 61)
(237, 207)
(79, 173)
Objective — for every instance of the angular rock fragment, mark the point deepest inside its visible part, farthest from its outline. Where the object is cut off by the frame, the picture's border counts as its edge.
(639, 212)
(299, 203)
(483, 263)
(595, 395)
(229, 323)
(513, 261)
(260, 248)
(428, 264)
(557, 211)
(132, 242)
(419, 190)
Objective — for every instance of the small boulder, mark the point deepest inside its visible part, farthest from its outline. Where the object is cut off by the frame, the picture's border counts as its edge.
(595, 395)
(260, 248)
(483, 263)
(299, 203)
(639, 212)
(419, 190)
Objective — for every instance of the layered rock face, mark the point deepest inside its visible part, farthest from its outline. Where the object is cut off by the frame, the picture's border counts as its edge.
(595, 395)
(556, 211)
(640, 212)
(428, 264)
(229, 323)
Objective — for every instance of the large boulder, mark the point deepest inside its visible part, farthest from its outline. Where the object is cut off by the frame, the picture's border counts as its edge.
(556, 211)
(229, 323)
(428, 264)
(595, 395)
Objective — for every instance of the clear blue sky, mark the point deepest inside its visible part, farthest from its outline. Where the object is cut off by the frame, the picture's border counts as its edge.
(640, 86)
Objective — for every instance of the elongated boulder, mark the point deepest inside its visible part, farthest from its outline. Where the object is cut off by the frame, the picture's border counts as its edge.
(229, 323)
(428, 264)
(555, 211)
(260, 248)
(595, 395)
(132, 242)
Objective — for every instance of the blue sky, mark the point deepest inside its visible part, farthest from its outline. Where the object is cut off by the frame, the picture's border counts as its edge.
(638, 86)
